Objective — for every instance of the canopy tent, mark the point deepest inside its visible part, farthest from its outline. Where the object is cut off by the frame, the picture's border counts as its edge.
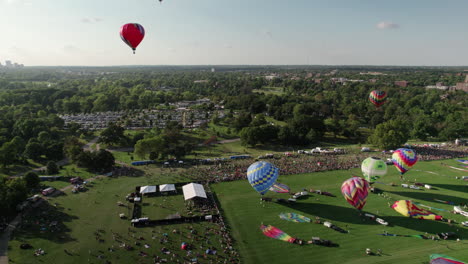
(167, 188)
(148, 189)
(193, 190)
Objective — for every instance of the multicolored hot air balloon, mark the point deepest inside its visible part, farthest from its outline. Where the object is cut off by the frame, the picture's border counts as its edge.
(355, 191)
(279, 188)
(378, 98)
(443, 259)
(132, 34)
(262, 175)
(293, 217)
(273, 232)
(409, 209)
(404, 159)
(373, 168)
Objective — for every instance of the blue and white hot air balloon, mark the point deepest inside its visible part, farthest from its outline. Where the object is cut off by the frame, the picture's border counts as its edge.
(262, 175)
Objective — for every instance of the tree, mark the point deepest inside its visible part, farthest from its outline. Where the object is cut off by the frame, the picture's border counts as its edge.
(32, 180)
(103, 161)
(52, 168)
(72, 148)
(390, 135)
(113, 134)
(33, 150)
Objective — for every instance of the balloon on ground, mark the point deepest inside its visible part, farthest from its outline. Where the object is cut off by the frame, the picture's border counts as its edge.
(273, 232)
(279, 188)
(293, 217)
(409, 209)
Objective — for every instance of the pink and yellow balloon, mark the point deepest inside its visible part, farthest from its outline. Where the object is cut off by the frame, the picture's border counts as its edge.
(404, 159)
(355, 191)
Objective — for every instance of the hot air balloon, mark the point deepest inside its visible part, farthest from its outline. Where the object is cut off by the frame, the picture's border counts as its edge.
(373, 168)
(378, 98)
(262, 175)
(409, 209)
(279, 188)
(404, 159)
(355, 191)
(273, 232)
(293, 217)
(444, 259)
(132, 34)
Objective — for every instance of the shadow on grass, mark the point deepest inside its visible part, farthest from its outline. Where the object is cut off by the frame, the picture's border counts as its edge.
(429, 226)
(46, 222)
(453, 187)
(430, 196)
(332, 212)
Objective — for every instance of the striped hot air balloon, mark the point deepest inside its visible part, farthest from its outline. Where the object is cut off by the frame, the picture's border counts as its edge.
(404, 159)
(378, 98)
(355, 191)
(262, 175)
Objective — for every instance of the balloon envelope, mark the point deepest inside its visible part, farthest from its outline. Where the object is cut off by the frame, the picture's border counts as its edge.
(408, 209)
(132, 34)
(378, 98)
(443, 259)
(373, 168)
(262, 175)
(355, 191)
(404, 159)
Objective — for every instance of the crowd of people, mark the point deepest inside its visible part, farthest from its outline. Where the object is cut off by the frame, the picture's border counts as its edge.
(294, 164)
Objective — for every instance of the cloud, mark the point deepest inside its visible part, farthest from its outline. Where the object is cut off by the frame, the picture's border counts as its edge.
(91, 20)
(70, 49)
(171, 50)
(269, 34)
(12, 2)
(228, 46)
(387, 25)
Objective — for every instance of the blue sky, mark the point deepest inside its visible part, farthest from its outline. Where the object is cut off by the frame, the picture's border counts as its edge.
(199, 32)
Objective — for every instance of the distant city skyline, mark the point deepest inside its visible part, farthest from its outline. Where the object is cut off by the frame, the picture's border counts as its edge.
(241, 32)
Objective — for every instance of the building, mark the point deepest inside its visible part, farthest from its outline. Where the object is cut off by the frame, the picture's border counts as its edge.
(401, 83)
(462, 86)
(8, 64)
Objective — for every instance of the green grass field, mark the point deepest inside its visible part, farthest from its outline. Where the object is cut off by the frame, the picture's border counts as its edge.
(86, 217)
(245, 214)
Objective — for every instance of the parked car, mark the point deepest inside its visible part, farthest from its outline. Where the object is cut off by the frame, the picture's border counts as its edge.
(365, 149)
(48, 191)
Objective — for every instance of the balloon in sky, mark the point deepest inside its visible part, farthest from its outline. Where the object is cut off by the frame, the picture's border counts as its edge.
(132, 34)
(409, 209)
(373, 168)
(404, 159)
(355, 191)
(262, 175)
(378, 98)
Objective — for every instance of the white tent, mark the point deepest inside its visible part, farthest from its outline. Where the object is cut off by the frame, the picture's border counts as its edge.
(147, 189)
(167, 187)
(193, 190)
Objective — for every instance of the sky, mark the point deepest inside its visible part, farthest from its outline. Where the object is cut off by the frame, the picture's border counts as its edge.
(236, 32)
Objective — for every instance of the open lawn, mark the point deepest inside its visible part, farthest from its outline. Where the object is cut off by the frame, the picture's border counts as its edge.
(89, 230)
(244, 212)
(160, 207)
